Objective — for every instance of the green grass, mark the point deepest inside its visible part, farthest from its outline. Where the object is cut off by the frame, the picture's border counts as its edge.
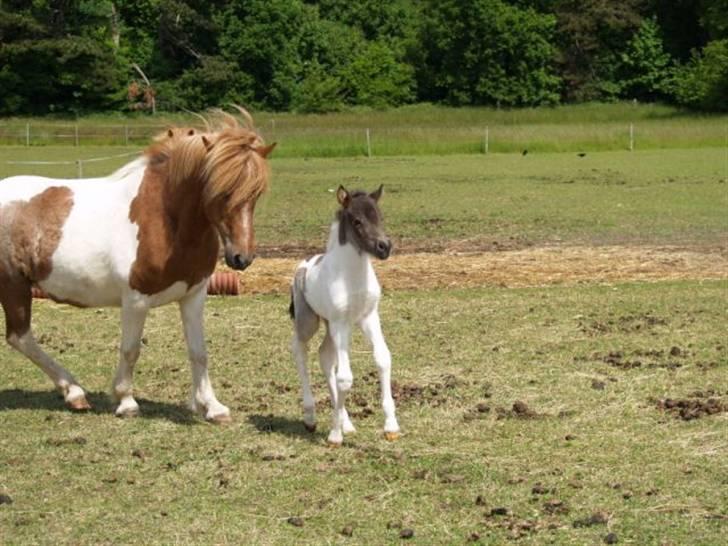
(417, 130)
(656, 196)
(168, 477)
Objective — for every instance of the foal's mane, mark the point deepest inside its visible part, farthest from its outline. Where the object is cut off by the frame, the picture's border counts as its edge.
(223, 159)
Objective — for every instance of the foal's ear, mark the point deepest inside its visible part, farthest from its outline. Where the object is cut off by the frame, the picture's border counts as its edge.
(207, 143)
(377, 194)
(263, 151)
(343, 197)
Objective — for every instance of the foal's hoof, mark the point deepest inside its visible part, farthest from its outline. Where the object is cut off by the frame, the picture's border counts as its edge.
(219, 419)
(310, 428)
(78, 404)
(391, 436)
(333, 444)
(128, 413)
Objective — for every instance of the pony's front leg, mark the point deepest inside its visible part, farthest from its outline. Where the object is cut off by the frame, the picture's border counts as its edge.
(372, 330)
(133, 314)
(202, 399)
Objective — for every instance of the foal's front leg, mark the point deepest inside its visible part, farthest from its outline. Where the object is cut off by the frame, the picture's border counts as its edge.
(335, 355)
(133, 314)
(203, 397)
(372, 330)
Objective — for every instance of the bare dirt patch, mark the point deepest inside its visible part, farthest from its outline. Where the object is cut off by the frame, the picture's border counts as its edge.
(525, 267)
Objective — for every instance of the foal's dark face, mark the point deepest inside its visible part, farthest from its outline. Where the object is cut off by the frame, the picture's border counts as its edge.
(360, 222)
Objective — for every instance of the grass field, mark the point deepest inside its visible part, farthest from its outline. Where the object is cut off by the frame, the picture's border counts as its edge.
(593, 455)
(657, 196)
(416, 130)
(548, 414)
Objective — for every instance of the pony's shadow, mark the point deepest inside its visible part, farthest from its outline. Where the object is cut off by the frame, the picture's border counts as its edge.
(292, 428)
(101, 404)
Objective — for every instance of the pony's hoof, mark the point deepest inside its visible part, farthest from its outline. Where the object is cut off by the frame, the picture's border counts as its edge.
(391, 436)
(78, 404)
(310, 428)
(220, 419)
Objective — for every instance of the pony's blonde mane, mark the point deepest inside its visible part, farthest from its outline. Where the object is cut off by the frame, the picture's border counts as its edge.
(222, 158)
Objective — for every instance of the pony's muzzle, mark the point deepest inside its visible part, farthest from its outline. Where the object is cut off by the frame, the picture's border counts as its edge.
(238, 261)
(383, 248)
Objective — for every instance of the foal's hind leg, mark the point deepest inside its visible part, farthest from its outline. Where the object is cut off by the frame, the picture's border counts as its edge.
(16, 299)
(299, 349)
(305, 325)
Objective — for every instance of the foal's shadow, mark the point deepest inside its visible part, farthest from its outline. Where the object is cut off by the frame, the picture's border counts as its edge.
(293, 428)
(101, 404)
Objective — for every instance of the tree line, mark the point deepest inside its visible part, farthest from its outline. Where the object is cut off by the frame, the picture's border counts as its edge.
(78, 56)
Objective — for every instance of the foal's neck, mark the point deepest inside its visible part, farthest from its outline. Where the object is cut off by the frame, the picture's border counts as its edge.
(350, 255)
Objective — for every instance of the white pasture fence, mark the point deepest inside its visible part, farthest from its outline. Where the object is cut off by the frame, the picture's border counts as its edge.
(482, 138)
(78, 162)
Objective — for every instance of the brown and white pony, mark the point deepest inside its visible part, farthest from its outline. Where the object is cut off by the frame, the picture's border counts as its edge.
(147, 235)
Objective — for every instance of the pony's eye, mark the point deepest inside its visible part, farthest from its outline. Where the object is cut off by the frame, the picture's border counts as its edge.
(356, 222)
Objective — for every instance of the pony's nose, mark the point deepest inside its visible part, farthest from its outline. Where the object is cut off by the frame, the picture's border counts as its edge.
(384, 247)
(240, 262)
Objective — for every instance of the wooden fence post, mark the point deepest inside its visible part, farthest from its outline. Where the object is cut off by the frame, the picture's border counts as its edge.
(631, 137)
(27, 134)
(369, 144)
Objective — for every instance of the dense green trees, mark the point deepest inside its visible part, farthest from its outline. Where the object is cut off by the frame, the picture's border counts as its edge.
(322, 55)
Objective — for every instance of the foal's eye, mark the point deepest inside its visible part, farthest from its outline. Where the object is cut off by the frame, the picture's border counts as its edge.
(357, 223)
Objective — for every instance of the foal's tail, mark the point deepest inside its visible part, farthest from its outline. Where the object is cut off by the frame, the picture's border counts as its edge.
(291, 307)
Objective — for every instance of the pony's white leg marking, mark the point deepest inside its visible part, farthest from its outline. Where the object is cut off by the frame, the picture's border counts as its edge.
(203, 397)
(299, 349)
(68, 386)
(133, 315)
(372, 330)
(327, 357)
(340, 333)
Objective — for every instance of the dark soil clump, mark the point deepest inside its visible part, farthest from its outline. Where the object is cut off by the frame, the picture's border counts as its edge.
(519, 410)
(688, 409)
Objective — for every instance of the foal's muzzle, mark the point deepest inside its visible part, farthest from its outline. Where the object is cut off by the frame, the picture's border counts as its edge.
(383, 249)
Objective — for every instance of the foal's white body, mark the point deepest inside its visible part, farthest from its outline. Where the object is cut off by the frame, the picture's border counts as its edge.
(91, 268)
(341, 288)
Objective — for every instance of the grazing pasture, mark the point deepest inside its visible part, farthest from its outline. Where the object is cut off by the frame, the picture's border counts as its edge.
(416, 130)
(535, 411)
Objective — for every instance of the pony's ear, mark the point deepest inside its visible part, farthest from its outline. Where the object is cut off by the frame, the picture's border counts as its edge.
(377, 194)
(342, 196)
(190, 132)
(207, 143)
(263, 151)
(170, 133)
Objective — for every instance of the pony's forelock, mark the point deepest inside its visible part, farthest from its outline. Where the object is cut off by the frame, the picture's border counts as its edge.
(222, 158)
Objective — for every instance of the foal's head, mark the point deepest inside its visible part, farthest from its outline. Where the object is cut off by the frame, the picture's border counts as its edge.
(360, 222)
